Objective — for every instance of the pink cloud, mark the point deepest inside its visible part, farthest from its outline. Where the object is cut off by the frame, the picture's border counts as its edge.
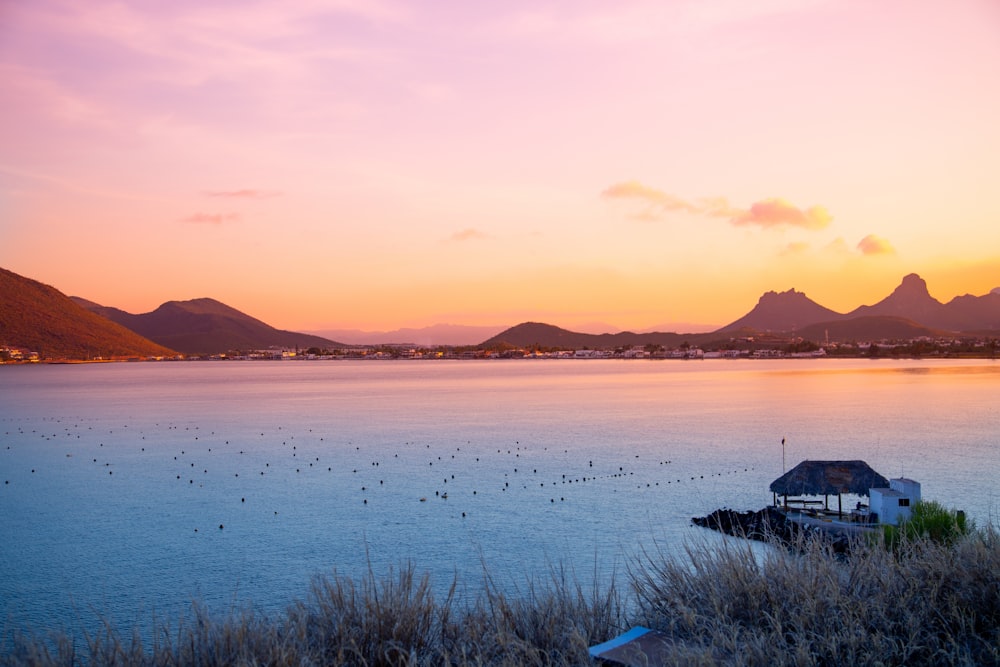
(469, 234)
(875, 245)
(778, 212)
(657, 198)
(211, 218)
(767, 213)
(246, 193)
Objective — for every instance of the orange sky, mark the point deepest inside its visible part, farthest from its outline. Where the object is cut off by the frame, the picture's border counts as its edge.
(376, 165)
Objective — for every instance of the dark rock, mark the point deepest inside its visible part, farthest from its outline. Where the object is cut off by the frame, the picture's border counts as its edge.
(767, 525)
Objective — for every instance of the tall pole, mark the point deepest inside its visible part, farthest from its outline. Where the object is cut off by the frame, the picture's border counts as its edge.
(783, 469)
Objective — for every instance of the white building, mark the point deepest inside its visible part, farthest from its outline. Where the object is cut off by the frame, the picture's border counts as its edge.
(894, 504)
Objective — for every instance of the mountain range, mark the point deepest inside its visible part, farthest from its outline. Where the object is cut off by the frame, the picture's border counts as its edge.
(458, 335)
(791, 310)
(909, 312)
(42, 319)
(39, 317)
(430, 336)
(205, 326)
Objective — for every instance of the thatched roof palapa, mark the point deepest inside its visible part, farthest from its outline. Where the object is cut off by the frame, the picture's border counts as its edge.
(822, 478)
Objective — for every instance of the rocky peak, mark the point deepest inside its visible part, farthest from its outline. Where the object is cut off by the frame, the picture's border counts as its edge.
(913, 286)
(787, 296)
(783, 311)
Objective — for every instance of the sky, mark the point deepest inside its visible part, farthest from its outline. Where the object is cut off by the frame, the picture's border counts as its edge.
(375, 164)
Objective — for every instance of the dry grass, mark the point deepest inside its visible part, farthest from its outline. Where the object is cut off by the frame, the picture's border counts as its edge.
(377, 621)
(920, 603)
(925, 603)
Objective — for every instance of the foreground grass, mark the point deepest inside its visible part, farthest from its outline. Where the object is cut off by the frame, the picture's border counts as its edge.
(920, 603)
(390, 620)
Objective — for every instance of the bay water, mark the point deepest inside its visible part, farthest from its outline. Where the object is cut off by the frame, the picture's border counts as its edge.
(129, 491)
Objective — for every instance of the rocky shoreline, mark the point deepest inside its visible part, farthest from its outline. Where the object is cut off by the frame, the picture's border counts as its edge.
(767, 525)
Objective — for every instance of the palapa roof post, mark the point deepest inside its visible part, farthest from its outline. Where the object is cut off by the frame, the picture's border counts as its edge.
(821, 478)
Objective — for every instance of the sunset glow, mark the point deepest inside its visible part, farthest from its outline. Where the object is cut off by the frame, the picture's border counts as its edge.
(385, 164)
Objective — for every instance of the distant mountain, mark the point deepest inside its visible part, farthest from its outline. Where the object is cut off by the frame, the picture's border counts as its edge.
(792, 312)
(536, 333)
(438, 334)
(531, 334)
(459, 335)
(44, 320)
(867, 328)
(33, 315)
(783, 311)
(973, 313)
(206, 326)
(911, 300)
(909, 312)
(686, 327)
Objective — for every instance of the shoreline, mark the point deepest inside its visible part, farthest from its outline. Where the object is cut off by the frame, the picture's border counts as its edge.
(221, 358)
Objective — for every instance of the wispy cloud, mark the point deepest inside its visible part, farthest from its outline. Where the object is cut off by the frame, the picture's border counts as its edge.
(154, 56)
(247, 193)
(718, 207)
(775, 212)
(796, 248)
(39, 90)
(211, 218)
(875, 245)
(838, 246)
(636, 22)
(656, 198)
(469, 234)
(778, 212)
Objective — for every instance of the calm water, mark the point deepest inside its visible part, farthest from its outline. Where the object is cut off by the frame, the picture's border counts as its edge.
(129, 490)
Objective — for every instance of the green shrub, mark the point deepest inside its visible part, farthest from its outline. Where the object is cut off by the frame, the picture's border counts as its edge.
(931, 520)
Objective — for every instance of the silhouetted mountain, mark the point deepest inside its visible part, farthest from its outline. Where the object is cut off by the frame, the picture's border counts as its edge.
(783, 311)
(33, 315)
(867, 328)
(909, 312)
(910, 300)
(532, 334)
(792, 312)
(44, 320)
(536, 333)
(974, 313)
(438, 334)
(206, 326)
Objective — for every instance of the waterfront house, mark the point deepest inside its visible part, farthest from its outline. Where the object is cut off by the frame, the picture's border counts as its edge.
(894, 504)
